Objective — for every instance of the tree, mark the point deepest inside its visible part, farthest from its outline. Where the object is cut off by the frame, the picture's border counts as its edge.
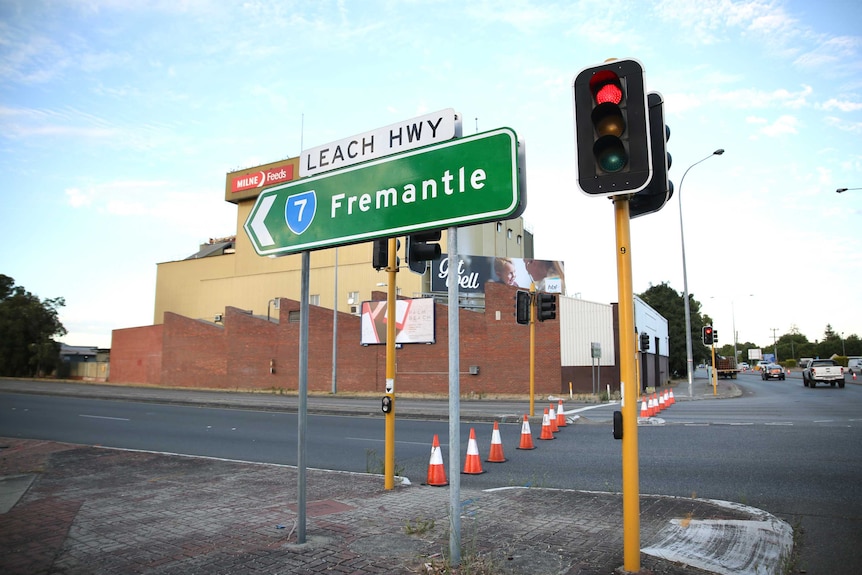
(28, 326)
(831, 344)
(671, 305)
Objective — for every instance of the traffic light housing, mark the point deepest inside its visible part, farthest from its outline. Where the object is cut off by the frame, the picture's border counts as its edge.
(546, 304)
(644, 341)
(715, 336)
(659, 190)
(420, 249)
(522, 307)
(707, 335)
(612, 137)
(380, 253)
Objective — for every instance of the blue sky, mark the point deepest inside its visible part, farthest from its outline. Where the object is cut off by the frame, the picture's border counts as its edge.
(119, 120)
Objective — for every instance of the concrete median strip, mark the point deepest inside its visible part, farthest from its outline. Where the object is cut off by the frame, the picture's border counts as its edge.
(732, 547)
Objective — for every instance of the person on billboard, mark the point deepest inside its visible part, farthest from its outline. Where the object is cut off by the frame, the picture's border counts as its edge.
(545, 273)
(505, 270)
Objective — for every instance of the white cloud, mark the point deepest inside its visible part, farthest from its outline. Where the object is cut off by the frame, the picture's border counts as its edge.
(844, 125)
(842, 105)
(781, 126)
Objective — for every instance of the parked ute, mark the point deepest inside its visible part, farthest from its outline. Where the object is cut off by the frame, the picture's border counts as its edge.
(823, 371)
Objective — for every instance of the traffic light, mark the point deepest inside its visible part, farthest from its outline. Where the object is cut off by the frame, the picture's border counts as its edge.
(707, 335)
(522, 307)
(420, 250)
(612, 137)
(546, 304)
(660, 189)
(644, 341)
(380, 253)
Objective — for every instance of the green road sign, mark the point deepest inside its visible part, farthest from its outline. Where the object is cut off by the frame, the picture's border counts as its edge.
(455, 183)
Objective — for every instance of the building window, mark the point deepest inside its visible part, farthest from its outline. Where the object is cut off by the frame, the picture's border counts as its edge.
(499, 227)
(352, 297)
(314, 299)
(509, 233)
(519, 239)
(293, 316)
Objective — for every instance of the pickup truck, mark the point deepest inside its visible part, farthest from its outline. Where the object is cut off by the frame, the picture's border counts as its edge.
(823, 371)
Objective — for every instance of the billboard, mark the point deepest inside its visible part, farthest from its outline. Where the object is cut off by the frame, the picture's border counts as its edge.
(249, 183)
(414, 321)
(548, 275)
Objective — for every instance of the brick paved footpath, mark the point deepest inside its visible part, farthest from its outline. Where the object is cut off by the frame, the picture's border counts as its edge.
(92, 510)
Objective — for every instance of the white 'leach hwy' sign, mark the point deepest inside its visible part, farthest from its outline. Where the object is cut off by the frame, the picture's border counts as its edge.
(401, 137)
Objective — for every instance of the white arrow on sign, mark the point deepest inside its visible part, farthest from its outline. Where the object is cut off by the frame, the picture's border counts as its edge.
(257, 224)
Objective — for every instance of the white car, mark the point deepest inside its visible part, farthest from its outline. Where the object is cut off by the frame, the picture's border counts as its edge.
(743, 366)
(761, 365)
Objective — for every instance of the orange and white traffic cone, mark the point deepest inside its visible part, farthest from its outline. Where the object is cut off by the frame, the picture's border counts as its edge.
(526, 435)
(496, 454)
(670, 394)
(561, 417)
(473, 464)
(854, 375)
(552, 419)
(651, 405)
(546, 427)
(436, 472)
(644, 408)
(661, 403)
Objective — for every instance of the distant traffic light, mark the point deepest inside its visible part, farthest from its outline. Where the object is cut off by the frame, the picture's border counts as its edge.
(708, 335)
(380, 253)
(546, 304)
(659, 190)
(420, 250)
(612, 129)
(523, 300)
(644, 341)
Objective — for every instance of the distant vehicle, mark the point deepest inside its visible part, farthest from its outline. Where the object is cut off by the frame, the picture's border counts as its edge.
(823, 371)
(803, 362)
(726, 367)
(854, 364)
(761, 365)
(744, 366)
(772, 371)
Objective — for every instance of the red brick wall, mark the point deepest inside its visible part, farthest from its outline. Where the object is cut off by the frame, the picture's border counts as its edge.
(237, 356)
(136, 354)
(193, 353)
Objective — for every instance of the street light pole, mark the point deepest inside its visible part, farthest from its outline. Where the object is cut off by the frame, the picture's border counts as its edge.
(842, 190)
(688, 352)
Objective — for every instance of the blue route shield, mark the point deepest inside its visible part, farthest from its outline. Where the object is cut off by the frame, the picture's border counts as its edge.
(299, 210)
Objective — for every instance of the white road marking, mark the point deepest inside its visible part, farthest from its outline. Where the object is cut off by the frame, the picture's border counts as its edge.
(104, 417)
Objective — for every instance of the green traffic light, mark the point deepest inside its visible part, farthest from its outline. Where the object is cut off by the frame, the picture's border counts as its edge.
(610, 154)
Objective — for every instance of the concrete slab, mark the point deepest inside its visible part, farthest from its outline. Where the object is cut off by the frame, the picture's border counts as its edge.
(12, 488)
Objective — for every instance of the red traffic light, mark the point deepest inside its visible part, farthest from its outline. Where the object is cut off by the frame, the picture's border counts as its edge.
(606, 87)
(611, 128)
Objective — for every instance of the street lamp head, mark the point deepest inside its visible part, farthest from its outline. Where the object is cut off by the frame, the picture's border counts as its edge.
(839, 190)
(718, 152)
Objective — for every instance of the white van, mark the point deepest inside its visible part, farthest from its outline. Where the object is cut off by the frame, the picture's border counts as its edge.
(854, 364)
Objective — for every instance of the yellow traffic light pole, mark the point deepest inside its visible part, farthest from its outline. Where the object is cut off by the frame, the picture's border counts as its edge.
(532, 349)
(714, 370)
(628, 389)
(389, 449)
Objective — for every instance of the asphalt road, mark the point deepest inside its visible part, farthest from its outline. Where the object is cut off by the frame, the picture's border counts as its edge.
(790, 450)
